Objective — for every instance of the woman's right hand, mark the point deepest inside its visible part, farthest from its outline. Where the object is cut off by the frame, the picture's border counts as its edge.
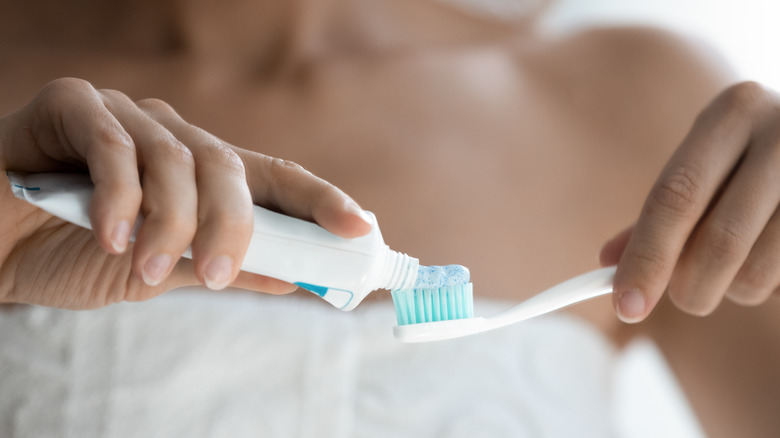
(191, 187)
(710, 227)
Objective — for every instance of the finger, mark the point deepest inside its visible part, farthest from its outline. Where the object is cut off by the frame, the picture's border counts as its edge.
(182, 275)
(722, 241)
(297, 192)
(170, 197)
(759, 276)
(614, 248)
(87, 131)
(225, 217)
(679, 199)
(250, 281)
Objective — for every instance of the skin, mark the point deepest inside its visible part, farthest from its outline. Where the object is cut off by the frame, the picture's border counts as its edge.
(709, 227)
(192, 188)
(325, 85)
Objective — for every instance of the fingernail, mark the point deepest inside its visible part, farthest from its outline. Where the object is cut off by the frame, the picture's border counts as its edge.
(631, 306)
(218, 272)
(355, 209)
(120, 236)
(155, 269)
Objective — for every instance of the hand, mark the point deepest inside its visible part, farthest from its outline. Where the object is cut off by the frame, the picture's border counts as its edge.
(192, 188)
(710, 227)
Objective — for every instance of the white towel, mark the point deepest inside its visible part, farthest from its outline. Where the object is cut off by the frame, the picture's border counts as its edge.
(233, 364)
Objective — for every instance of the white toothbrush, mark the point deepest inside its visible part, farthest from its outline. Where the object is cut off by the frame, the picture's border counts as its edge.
(581, 288)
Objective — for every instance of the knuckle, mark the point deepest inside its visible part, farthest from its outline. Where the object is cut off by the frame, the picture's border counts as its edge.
(220, 154)
(752, 285)
(725, 241)
(235, 222)
(63, 93)
(242, 227)
(67, 85)
(172, 150)
(284, 172)
(283, 168)
(680, 190)
(156, 106)
(753, 277)
(174, 223)
(110, 139)
(130, 193)
(649, 258)
(113, 94)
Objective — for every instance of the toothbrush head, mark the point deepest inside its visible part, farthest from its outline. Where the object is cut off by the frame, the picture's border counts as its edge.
(417, 306)
(439, 306)
(418, 324)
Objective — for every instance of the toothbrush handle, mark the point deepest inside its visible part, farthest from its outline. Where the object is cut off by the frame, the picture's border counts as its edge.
(581, 288)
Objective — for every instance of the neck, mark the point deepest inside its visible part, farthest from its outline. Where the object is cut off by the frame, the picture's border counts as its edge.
(265, 32)
(290, 33)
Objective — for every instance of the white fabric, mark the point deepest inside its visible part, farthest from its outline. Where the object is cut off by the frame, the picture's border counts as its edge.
(198, 364)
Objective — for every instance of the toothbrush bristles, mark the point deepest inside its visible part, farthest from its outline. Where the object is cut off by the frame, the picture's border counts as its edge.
(415, 306)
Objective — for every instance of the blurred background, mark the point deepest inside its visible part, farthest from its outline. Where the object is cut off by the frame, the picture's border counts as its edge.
(745, 32)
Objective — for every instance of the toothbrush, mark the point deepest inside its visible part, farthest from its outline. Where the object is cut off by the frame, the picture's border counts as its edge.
(449, 326)
(432, 302)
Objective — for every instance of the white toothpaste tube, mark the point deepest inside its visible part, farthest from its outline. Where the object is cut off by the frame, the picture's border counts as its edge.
(341, 271)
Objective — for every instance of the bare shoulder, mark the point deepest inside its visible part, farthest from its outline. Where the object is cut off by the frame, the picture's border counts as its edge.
(654, 54)
(637, 79)
(723, 358)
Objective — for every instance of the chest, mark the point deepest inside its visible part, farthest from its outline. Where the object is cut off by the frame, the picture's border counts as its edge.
(521, 190)
(485, 169)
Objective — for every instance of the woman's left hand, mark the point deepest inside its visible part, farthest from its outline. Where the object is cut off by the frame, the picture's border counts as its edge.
(710, 227)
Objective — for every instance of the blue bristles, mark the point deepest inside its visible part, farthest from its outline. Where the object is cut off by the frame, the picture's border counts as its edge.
(414, 306)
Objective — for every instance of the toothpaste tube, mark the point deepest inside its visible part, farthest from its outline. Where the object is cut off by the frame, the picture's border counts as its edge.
(341, 271)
